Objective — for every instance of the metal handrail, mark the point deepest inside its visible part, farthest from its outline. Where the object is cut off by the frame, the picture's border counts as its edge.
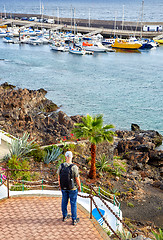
(117, 217)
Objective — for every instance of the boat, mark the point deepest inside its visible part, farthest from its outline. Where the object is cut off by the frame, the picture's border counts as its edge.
(96, 47)
(24, 39)
(84, 44)
(146, 44)
(34, 41)
(7, 40)
(160, 41)
(108, 41)
(57, 46)
(77, 51)
(3, 26)
(3, 33)
(124, 44)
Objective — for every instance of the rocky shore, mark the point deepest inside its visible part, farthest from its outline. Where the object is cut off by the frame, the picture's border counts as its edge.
(23, 110)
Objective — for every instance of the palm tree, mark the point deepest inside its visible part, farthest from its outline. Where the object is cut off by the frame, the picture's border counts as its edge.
(92, 128)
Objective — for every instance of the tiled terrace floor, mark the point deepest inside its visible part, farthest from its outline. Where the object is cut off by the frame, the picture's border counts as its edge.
(39, 218)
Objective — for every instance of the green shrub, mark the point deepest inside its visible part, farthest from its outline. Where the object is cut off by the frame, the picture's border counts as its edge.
(18, 187)
(103, 164)
(37, 154)
(71, 147)
(15, 163)
(130, 204)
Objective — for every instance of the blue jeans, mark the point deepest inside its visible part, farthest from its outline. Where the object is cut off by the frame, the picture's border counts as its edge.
(72, 194)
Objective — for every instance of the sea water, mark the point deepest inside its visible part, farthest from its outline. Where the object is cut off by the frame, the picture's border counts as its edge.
(125, 86)
(93, 9)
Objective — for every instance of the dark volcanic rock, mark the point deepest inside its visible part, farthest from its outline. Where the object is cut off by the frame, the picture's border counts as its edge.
(6, 85)
(139, 148)
(24, 110)
(77, 118)
(65, 120)
(135, 127)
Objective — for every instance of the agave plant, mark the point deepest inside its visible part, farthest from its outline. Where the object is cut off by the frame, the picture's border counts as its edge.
(20, 147)
(158, 236)
(125, 235)
(53, 155)
(102, 164)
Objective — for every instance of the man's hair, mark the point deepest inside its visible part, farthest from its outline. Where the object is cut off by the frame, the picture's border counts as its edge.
(68, 154)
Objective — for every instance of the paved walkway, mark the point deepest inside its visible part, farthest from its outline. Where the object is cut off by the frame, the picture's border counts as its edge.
(3, 149)
(39, 218)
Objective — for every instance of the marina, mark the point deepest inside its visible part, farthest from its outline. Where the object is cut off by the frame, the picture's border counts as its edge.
(106, 28)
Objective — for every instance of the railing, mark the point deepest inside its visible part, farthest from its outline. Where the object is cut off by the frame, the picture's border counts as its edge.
(89, 188)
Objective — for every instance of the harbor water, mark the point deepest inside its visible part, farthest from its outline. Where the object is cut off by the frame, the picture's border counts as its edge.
(125, 86)
(93, 9)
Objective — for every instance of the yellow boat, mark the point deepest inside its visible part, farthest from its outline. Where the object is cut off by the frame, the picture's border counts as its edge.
(159, 41)
(124, 44)
(3, 26)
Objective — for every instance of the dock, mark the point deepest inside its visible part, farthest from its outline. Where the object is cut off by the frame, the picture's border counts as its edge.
(106, 28)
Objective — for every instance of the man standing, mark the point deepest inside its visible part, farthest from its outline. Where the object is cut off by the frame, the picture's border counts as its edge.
(69, 183)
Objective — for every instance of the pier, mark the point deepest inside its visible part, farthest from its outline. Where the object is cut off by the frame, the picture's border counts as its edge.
(106, 28)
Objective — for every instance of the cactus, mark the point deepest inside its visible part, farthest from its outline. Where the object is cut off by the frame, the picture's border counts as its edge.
(53, 155)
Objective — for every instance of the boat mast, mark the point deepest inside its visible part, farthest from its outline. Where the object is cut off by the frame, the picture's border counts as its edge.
(42, 14)
(71, 17)
(40, 9)
(142, 18)
(58, 14)
(123, 18)
(74, 20)
(115, 22)
(89, 18)
(5, 11)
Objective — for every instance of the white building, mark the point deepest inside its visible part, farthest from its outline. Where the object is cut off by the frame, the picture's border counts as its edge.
(152, 28)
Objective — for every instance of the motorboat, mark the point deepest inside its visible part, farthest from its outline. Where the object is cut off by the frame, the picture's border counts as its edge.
(34, 41)
(24, 39)
(3, 33)
(77, 51)
(84, 44)
(124, 44)
(8, 40)
(108, 41)
(96, 47)
(160, 41)
(154, 44)
(57, 46)
(43, 39)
